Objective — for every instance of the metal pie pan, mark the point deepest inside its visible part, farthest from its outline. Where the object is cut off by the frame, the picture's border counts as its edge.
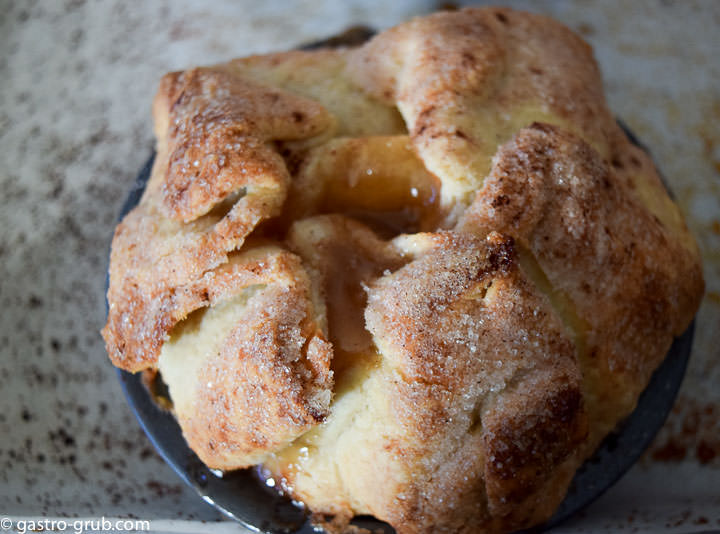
(243, 496)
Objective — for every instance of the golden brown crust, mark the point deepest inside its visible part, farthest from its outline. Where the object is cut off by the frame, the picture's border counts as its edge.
(463, 90)
(472, 366)
(322, 75)
(269, 379)
(218, 138)
(540, 423)
(215, 177)
(626, 283)
(487, 372)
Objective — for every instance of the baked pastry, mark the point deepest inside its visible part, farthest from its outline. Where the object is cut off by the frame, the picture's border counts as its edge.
(420, 279)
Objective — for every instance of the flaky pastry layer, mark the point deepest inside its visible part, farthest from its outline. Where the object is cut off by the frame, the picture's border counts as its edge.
(419, 279)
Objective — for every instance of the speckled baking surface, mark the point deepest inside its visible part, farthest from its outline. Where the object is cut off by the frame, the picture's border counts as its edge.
(76, 81)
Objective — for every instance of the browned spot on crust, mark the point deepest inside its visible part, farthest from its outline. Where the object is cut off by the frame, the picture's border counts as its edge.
(535, 431)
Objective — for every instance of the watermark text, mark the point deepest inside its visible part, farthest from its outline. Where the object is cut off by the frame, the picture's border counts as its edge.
(76, 526)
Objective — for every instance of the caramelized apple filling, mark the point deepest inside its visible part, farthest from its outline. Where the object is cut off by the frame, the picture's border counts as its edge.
(377, 180)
